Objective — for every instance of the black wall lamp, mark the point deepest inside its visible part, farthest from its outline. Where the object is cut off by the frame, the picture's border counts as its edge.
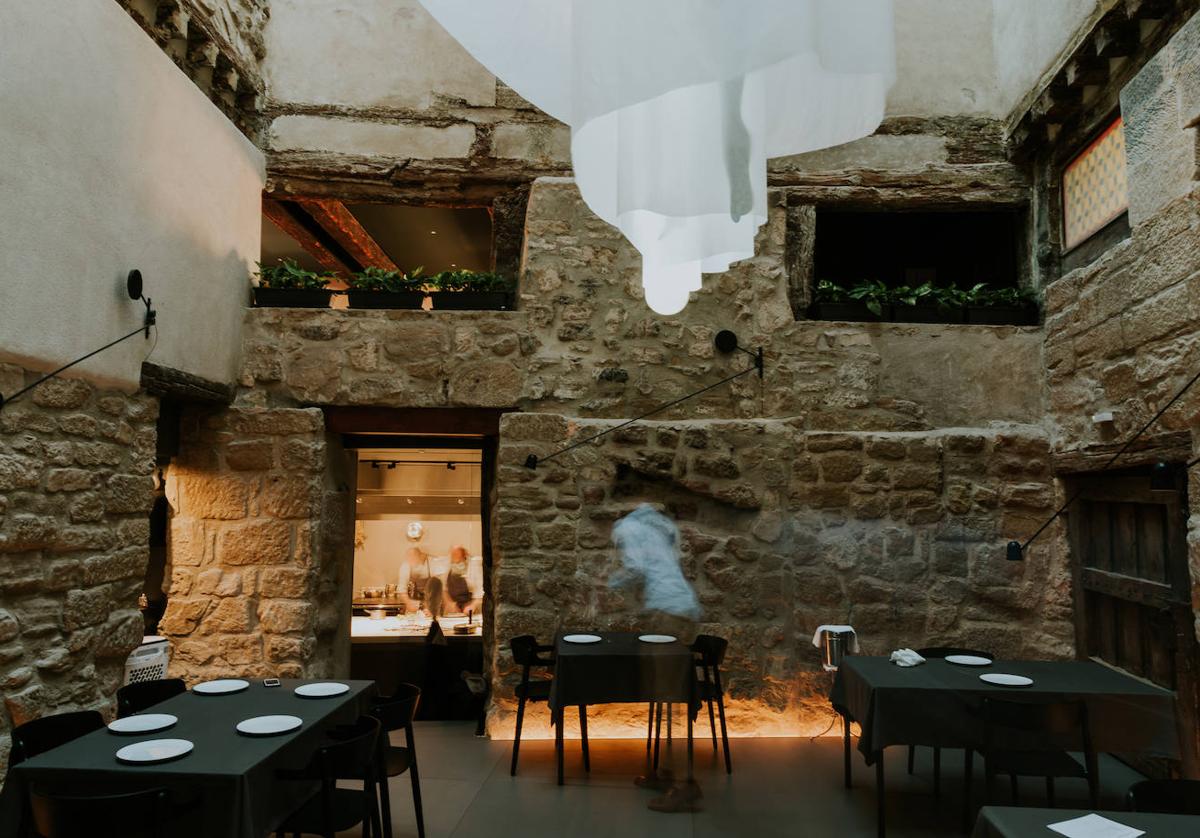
(726, 343)
(1162, 475)
(133, 287)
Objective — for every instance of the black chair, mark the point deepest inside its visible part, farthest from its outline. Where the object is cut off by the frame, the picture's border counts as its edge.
(708, 652)
(528, 654)
(397, 713)
(64, 814)
(350, 752)
(134, 698)
(40, 735)
(1032, 740)
(1170, 797)
(932, 652)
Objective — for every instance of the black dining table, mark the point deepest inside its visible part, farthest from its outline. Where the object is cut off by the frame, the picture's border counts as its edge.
(939, 703)
(1020, 822)
(227, 785)
(621, 669)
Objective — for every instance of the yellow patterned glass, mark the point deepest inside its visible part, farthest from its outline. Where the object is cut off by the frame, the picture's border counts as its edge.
(1094, 186)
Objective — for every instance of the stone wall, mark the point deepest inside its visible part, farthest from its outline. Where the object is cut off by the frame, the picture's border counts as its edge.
(76, 487)
(901, 534)
(260, 545)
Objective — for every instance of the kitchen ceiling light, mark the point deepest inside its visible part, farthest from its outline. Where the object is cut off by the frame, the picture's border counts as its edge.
(676, 105)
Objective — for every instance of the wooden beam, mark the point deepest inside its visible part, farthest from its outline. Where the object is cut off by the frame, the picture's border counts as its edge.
(434, 421)
(346, 230)
(183, 386)
(284, 220)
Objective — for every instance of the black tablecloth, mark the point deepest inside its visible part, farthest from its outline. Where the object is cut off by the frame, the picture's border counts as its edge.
(1009, 822)
(621, 669)
(938, 703)
(231, 777)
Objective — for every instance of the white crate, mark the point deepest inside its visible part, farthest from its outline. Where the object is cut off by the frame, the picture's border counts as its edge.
(148, 662)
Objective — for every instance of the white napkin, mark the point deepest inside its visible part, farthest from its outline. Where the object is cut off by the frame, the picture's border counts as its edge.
(906, 657)
(1094, 826)
(822, 629)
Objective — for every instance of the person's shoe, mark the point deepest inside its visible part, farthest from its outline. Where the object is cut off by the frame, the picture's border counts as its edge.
(661, 781)
(685, 798)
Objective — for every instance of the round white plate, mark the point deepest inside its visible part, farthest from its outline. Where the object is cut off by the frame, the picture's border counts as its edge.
(155, 750)
(657, 638)
(323, 689)
(147, 723)
(583, 638)
(225, 686)
(968, 660)
(1004, 680)
(269, 725)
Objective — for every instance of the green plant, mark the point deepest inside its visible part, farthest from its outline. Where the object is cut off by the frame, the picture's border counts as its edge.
(483, 281)
(904, 295)
(287, 274)
(378, 279)
(875, 293)
(1010, 296)
(830, 292)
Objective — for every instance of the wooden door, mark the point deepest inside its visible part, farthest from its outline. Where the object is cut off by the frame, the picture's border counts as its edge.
(1133, 589)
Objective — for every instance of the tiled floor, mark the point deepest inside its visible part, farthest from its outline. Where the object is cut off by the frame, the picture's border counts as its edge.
(779, 787)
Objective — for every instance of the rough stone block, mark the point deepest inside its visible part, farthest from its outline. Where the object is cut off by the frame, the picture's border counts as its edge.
(255, 542)
(282, 617)
(250, 455)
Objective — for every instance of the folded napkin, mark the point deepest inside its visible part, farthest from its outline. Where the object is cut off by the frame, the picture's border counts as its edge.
(822, 629)
(906, 657)
(1094, 826)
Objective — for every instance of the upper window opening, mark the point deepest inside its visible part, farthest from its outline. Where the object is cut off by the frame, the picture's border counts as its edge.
(1095, 191)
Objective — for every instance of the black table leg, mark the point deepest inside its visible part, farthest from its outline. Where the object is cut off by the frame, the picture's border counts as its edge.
(846, 746)
(657, 735)
(558, 741)
(690, 776)
(881, 807)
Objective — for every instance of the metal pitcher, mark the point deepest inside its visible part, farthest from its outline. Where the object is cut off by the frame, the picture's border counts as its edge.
(836, 644)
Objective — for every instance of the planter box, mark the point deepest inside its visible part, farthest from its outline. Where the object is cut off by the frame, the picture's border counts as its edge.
(386, 299)
(854, 312)
(1002, 315)
(291, 298)
(471, 300)
(927, 313)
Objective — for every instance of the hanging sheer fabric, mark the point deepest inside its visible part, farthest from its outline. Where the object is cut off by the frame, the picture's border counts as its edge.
(676, 105)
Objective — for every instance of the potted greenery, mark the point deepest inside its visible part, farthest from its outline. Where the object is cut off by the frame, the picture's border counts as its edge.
(468, 290)
(926, 304)
(834, 302)
(287, 285)
(1001, 306)
(379, 288)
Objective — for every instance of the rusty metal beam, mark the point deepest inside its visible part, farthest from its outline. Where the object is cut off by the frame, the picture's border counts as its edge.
(346, 230)
(286, 221)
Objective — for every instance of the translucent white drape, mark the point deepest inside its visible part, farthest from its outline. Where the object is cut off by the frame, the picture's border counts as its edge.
(675, 106)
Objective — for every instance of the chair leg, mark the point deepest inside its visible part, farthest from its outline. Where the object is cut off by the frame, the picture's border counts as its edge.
(937, 771)
(670, 725)
(1012, 779)
(587, 763)
(724, 733)
(712, 725)
(1050, 791)
(512, 772)
(371, 819)
(385, 798)
(650, 728)
(416, 788)
(657, 732)
(912, 757)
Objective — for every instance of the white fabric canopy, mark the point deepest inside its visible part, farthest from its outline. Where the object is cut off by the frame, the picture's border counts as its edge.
(675, 106)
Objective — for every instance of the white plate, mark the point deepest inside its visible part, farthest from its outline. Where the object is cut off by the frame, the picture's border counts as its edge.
(155, 750)
(147, 723)
(968, 660)
(322, 689)
(269, 725)
(583, 638)
(1004, 680)
(657, 638)
(225, 686)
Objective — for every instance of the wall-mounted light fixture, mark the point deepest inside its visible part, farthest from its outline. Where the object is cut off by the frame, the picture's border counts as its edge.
(1015, 550)
(725, 341)
(1164, 477)
(133, 287)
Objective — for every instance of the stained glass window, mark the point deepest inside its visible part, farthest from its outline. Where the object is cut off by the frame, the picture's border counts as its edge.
(1094, 187)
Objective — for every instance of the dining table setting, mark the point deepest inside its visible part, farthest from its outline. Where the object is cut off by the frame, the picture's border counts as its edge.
(218, 749)
(1030, 822)
(905, 699)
